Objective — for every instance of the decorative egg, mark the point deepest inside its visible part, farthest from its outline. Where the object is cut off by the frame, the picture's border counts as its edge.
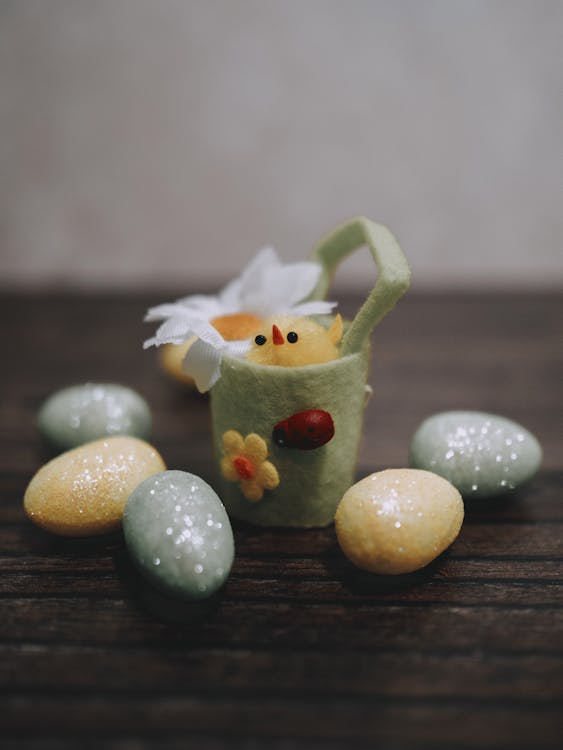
(83, 492)
(179, 535)
(483, 455)
(305, 430)
(398, 520)
(82, 413)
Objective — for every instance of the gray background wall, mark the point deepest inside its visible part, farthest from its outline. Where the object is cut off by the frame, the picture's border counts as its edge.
(165, 142)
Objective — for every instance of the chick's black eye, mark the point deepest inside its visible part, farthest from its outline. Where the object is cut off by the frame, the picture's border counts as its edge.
(292, 337)
(260, 340)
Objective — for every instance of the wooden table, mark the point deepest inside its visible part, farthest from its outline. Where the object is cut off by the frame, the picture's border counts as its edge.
(300, 650)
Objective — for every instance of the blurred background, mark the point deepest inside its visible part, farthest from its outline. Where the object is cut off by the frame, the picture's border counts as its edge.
(162, 143)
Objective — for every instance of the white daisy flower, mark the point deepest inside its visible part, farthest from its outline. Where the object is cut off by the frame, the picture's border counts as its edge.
(266, 287)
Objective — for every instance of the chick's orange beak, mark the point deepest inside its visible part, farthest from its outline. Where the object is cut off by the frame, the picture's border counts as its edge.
(277, 336)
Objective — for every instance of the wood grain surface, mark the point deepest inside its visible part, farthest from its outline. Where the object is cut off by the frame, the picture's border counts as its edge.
(299, 650)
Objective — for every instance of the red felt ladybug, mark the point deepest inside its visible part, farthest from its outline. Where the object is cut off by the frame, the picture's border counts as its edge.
(305, 430)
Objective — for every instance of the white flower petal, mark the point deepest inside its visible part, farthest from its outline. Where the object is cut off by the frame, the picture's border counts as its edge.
(253, 277)
(208, 333)
(275, 293)
(315, 307)
(266, 257)
(239, 348)
(150, 342)
(206, 306)
(173, 331)
(281, 287)
(203, 364)
(161, 312)
(229, 297)
(304, 276)
(180, 311)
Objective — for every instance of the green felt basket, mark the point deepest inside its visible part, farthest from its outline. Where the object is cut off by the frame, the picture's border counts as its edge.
(251, 399)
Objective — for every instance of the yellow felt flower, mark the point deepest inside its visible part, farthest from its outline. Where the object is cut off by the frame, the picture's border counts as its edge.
(245, 461)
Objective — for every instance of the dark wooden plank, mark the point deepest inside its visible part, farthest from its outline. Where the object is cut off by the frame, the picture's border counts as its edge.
(523, 724)
(281, 624)
(463, 569)
(404, 674)
(183, 741)
(304, 587)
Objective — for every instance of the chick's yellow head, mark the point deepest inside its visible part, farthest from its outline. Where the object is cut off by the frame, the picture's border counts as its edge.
(293, 342)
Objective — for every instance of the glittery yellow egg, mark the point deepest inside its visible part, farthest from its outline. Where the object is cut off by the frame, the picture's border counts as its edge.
(83, 492)
(397, 521)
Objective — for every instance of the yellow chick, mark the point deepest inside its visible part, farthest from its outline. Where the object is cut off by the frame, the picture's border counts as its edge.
(293, 342)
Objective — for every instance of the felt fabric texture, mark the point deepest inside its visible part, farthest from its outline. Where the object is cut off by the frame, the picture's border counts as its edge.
(254, 398)
(393, 273)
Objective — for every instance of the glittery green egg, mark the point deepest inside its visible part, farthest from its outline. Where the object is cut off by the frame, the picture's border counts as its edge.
(481, 454)
(82, 413)
(179, 535)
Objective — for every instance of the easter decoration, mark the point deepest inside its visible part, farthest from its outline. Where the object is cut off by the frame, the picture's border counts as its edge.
(287, 401)
(288, 385)
(266, 287)
(82, 413)
(83, 492)
(398, 520)
(179, 535)
(483, 455)
(309, 342)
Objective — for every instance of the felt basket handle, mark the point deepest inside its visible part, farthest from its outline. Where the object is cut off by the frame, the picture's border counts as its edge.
(392, 281)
